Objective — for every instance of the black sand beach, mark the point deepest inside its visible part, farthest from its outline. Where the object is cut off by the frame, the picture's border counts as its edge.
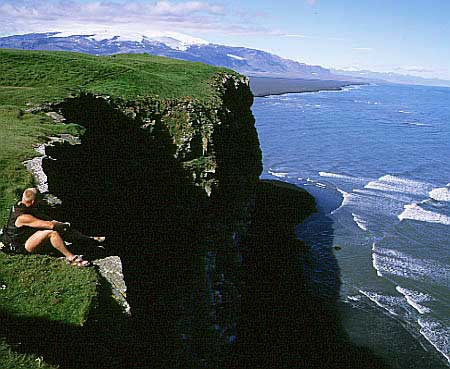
(264, 86)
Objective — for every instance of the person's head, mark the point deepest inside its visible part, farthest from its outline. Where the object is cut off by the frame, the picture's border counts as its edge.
(29, 196)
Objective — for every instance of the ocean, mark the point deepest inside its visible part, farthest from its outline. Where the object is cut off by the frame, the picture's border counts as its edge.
(376, 158)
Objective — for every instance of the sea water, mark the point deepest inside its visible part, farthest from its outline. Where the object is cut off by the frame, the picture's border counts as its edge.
(377, 159)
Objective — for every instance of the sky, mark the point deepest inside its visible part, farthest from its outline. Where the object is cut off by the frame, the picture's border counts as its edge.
(402, 36)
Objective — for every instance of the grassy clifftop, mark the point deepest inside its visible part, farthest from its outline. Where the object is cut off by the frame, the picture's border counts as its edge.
(32, 78)
(36, 286)
(39, 75)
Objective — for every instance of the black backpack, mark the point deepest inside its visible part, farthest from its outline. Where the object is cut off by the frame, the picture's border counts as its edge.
(3, 232)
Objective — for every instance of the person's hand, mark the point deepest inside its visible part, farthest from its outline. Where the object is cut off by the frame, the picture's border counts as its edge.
(60, 227)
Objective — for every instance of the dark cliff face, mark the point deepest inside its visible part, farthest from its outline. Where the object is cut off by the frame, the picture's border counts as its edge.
(168, 183)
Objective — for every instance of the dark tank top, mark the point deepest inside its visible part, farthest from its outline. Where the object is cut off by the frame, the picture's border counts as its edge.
(15, 234)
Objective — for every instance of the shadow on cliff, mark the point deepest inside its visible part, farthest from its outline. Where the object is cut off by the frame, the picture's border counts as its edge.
(289, 316)
(124, 182)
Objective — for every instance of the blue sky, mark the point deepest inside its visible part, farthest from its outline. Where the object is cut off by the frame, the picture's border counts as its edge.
(404, 36)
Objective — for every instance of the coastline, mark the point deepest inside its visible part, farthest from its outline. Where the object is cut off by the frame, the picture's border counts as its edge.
(266, 86)
(359, 315)
(276, 277)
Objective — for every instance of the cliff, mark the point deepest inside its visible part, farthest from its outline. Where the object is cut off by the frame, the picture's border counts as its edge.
(166, 166)
(162, 157)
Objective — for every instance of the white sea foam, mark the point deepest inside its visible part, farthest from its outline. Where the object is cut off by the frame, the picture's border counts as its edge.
(388, 261)
(388, 303)
(392, 183)
(316, 183)
(367, 102)
(360, 222)
(347, 88)
(345, 201)
(333, 175)
(278, 174)
(375, 264)
(373, 204)
(343, 177)
(440, 194)
(354, 298)
(419, 124)
(380, 196)
(416, 212)
(404, 111)
(437, 335)
(434, 332)
(414, 299)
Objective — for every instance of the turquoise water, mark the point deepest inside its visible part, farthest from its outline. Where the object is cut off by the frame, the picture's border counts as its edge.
(377, 159)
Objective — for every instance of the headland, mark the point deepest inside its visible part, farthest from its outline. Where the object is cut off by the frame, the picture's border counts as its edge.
(264, 86)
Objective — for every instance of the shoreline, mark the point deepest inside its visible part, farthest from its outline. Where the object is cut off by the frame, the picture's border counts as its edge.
(267, 86)
(297, 168)
(278, 277)
(353, 313)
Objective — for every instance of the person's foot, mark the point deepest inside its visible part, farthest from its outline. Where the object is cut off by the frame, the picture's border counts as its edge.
(78, 261)
(99, 239)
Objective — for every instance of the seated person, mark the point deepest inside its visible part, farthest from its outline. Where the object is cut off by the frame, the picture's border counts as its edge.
(27, 230)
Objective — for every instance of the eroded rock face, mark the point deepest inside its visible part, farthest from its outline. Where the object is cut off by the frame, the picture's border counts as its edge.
(111, 269)
(170, 183)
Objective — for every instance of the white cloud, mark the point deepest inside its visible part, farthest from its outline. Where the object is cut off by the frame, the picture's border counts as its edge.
(23, 16)
(415, 69)
(136, 16)
(297, 36)
(104, 9)
(362, 49)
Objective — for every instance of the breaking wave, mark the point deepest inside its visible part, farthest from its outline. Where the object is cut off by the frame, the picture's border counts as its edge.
(414, 299)
(390, 183)
(440, 194)
(416, 212)
(387, 261)
(437, 335)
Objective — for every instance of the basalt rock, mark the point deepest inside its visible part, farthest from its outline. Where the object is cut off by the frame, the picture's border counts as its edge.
(171, 184)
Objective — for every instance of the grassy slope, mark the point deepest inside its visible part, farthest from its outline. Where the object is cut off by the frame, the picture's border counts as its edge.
(12, 360)
(30, 78)
(38, 286)
(28, 288)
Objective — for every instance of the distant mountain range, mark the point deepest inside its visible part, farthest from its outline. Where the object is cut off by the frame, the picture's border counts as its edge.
(247, 61)
(367, 75)
(241, 59)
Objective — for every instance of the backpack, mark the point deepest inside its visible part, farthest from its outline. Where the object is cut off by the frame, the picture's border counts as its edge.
(3, 232)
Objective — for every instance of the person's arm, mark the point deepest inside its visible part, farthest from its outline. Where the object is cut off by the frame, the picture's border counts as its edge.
(38, 213)
(29, 220)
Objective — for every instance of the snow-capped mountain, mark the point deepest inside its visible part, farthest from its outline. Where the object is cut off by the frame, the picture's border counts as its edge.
(173, 45)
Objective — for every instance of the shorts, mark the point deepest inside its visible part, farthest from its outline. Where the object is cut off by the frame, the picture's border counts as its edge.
(15, 248)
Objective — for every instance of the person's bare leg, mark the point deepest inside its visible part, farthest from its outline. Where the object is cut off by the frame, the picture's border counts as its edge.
(73, 235)
(40, 237)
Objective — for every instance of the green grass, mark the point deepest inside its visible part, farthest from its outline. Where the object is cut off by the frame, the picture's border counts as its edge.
(37, 286)
(42, 76)
(12, 360)
(18, 134)
(44, 287)
(32, 78)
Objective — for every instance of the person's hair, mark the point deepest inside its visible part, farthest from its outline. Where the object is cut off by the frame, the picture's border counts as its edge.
(29, 195)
